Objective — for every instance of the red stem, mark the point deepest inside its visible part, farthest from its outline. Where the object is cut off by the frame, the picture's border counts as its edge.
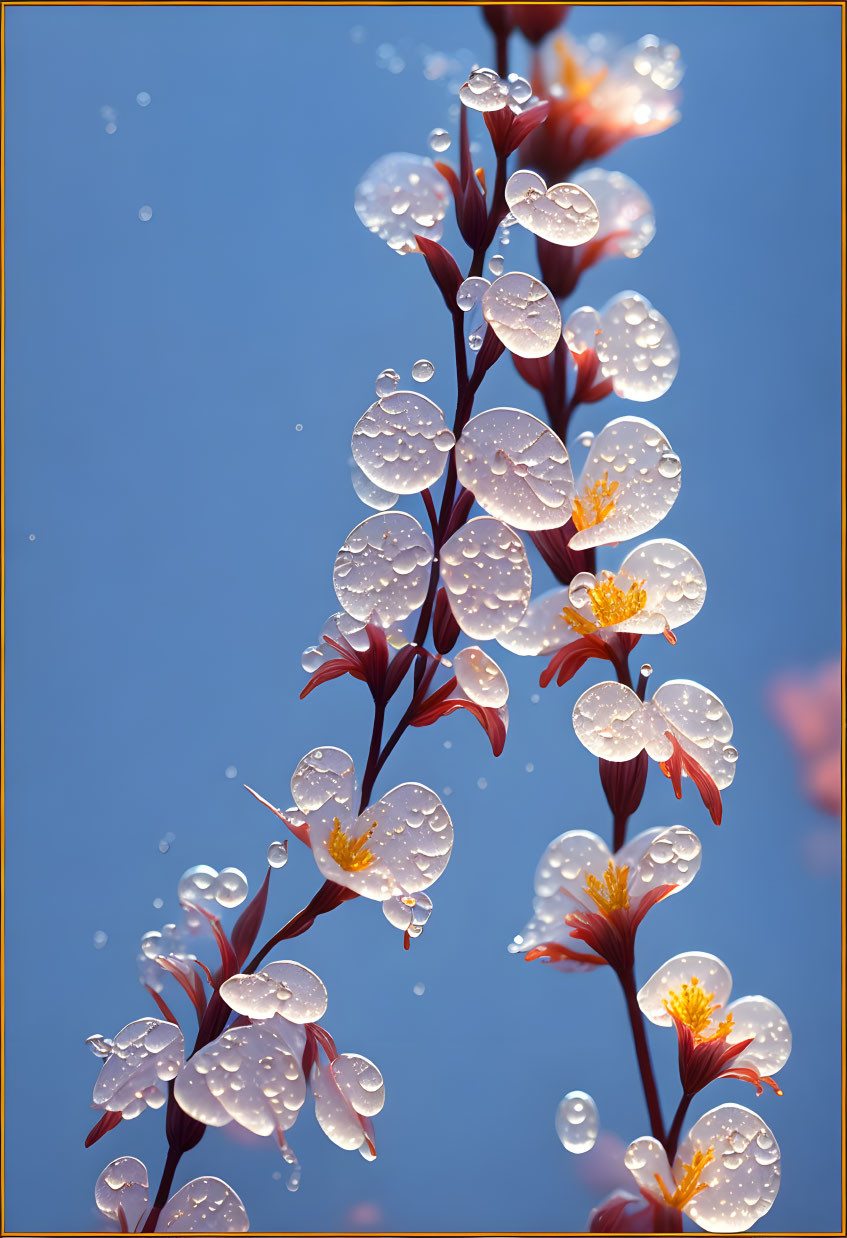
(642, 1052)
(165, 1184)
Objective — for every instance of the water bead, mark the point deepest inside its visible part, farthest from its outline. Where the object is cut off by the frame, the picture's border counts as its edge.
(586, 438)
(231, 771)
(145, 213)
(495, 264)
(669, 465)
(523, 314)
(278, 854)
(564, 214)
(646, 670)
(439, 140)
(100, 939)
(143, 99)
(231, 888)
(419, 989)
(475, 341)
(422, 371)
(520, 90)
(484, 91)
(730, 754)
(577, 1122)
(387, 382)
(470, 291)
(292, 1182)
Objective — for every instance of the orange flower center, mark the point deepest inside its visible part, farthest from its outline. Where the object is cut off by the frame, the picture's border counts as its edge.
(596, 503)
(609, 603)
(694, 1007)
(350, 853)
(612, 891)
(690, 1184)
(578, 85)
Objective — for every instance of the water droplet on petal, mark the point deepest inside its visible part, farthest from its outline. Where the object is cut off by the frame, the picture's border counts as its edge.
(669, 465)
(386, 382)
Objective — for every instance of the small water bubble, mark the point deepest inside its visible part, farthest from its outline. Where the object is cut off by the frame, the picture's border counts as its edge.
(586, 438)
(145, 213)
(448, 743)
(482, 783)
(422, 371)
(231, 771)
(32, 537)
(111, 127)
(143, 98)
(669, 465)
(519, 88)
(471, 291)
(475, 341)
(278, 854)
(730, 754)
(292, 1182)
(158, 903)
(646, 670)
(495, 264)
(358, 34)
(299, 426)
(535, 698)
(386, 383)
(100, 938)
(577, 1122)
(277, 1175)
(446, 790)
(419, 989)
(164, 846)
(529, 767)
(396, 65)
(439, 140)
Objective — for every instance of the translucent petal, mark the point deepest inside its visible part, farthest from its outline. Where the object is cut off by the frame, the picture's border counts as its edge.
(567, 861)
(249, 1074)
(257, 996)
(669, 856)
(371, 495)
(145, 1056)
(405, 842)
(582, 329)
(713, 974)
(761, 1018)
(401, 196)
(542, 629)
(577, 1122)
(335, 1115)
(480, 678)
(644, 1158)
(632, 458)
(548, 924)
(381, 572)
(523, 314)
(408, 912)
(702, 725)
(402, 442)
(743, 1178)
(486, 573)
(637, 348)
(204, 1206)
(485, 91)
(360, 1083)
(517, 468)
(608, 721)
(563, 214)
(624, 210)
(123, 1183)
(323, 785)
(673, 580)
(308, 992)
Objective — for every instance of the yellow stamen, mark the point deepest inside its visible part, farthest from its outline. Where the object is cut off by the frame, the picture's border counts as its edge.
(596, 504)
(578, 85)
(610, 605)
(690, 1184)
(611, 892)
(694, 1007)
(350, 853)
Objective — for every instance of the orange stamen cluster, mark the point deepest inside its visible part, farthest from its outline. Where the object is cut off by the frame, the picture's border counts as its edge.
(350, 853)
(578, 85)
(690, 1184)
(611, 892)
(694, 1007)
(610, 605)
(596, 504)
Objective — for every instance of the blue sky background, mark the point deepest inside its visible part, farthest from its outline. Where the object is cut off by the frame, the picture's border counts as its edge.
(169, 547)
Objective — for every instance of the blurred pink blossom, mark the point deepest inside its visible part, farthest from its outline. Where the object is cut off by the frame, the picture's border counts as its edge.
(364, 1214)
(807, 705)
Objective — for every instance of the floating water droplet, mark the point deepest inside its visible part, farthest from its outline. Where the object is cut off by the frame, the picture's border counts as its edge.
(475, 341)
(32, 537)
(482, 783)
(164, 846)
(422, 371)
(439, 140)
(646, 670)
(446, 790)
(278, 854)
(231, 771)
(145, 213)
(471, 291)
(535, 698)
(158, 903)
(419, 989)
(529, 767)
(495, 264)
(100, 939)
(277, 1175)
(143, 98)
(292, 1182)
(577, 1122)
(730, 754)
(669, 465)
(448, 743)
(586, 438)
(111, 127)
(386, 382)
(299, 426)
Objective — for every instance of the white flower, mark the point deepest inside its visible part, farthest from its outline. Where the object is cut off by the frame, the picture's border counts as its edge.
(685, 727)
(139, 1064)
(725, 1175)
(634, 343)
(398, 845)
(204, 1205)
(584, 892)
(402, 196)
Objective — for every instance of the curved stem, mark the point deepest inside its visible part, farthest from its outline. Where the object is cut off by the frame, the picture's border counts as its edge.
(328, 897)
(163, 1193)
(676, 1126)
(369, 776)
(642, 1052)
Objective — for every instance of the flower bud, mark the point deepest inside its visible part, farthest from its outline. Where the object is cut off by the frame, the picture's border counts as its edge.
(445, 629)
(623, 783)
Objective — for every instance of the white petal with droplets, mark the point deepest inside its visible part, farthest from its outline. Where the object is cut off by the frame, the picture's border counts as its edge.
(487, 576)
(371, 495)
(637, 348)
(645, 1158)
(334, 1113)
(204, 1206)
(402, 196)
(564, 214)
(257, 996)
(308, 998)
(123, 1184)
(711, 972)
(517, 468)
(542, 629)
(624, 210)
(764, 1021)
(360, 1083)
(523, 314)
(484, 91)
(566, 863)
(145, 1056)
(408, 912)
(701, 723)
(249, 1075)
(323, 784)
(402, 442)
(743, 1179)
(381, 572)
(673, 580)
(632, 458)
(480, 678)
(669, 856)
(608, 721)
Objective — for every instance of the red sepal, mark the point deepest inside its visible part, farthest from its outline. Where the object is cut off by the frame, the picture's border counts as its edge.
(555, 952)
(445, 629)
(246, 927)
(440, 704)
(508, 130)
(107, 1122)
(443, 269)
(565, 663)
(563, 562)
(193, 986)
(622, 1213)
(163, 1005)
(229, 962)
(680, 760)
(299, 830)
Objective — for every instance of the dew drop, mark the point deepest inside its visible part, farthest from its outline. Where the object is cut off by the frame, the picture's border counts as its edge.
(646, 670)
(386, 382)
(419, 989)
(482, 783)
(422, 371)
(32, 537)
(143, 98)
(278, 854)
(669, 465)
(577, 1122)
(730, 754)
(475, 341)
(519, 88)
(158, 903)
(586, 438)
(495, 264)
(292, 1182)
(164, 846)
(231, 771)
(471, 291)
(439, 140)
(100, 938)
(145, 213)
